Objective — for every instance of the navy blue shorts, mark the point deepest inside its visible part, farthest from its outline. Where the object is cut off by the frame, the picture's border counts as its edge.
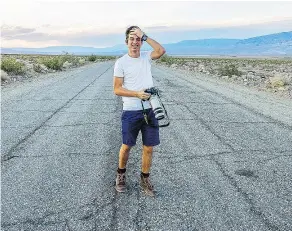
(133, 122)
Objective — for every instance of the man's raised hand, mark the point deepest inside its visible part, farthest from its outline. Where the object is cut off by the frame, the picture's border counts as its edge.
(138, 32)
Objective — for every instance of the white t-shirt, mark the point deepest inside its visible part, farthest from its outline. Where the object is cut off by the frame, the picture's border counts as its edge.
(137, 76)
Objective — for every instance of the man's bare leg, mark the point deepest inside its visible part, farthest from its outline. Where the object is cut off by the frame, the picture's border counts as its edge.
(124, 156)
(147, 158)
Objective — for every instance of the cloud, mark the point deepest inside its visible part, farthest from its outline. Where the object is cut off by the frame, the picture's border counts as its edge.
(101, 37)
(9, 32)
(156, 27)
(85, 37)
(46, 25)
(179, 33)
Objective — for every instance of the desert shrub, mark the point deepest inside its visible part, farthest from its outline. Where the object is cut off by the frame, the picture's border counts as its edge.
(74, 60)
(181, 62)
(229, 70)
(37, 67)
(55, 63)
(167, 60)
(104, 58)
(164, 58)
(81, 61)
(92, 58)
(67, 65)
(279, 80)
(111, 57)
(11, 65)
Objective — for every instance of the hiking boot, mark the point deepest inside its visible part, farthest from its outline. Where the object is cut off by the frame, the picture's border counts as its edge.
(121, 182)
(147, 186)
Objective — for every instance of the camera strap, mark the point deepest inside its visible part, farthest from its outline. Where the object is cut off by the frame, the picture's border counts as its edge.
(144, 113)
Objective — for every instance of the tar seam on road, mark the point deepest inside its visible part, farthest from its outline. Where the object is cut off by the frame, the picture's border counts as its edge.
(9, 155)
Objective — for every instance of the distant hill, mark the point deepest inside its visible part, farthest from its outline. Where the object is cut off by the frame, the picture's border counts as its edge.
(206, 42)
(269, 39)
(279, 44)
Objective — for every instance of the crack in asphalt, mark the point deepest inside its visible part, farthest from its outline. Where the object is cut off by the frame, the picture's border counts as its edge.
(65, 125)
(138, 216)
(204, 123)
(186, 158)
(114, 218)
(77, 124)
(9, 155)
(29, 110)
(34, 222)
(230, 122)
(273, 158)
(65, 154)
(99, 99)
(115, 144)
(67, 225)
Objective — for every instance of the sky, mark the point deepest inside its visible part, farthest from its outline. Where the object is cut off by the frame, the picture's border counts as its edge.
(91, 23)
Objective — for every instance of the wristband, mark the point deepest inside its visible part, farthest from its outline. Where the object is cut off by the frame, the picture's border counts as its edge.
(144, 37)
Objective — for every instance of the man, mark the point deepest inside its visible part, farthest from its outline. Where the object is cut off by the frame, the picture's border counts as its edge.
(132, 75)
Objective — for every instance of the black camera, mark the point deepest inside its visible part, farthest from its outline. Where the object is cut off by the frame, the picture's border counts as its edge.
(156, 103)
(152, 91)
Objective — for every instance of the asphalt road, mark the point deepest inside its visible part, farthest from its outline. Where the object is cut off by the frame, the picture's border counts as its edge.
(224, 163)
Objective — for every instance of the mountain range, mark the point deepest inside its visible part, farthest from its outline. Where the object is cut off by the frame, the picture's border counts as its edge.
(279, 44)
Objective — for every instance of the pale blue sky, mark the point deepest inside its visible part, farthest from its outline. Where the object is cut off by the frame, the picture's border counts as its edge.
(28, 23)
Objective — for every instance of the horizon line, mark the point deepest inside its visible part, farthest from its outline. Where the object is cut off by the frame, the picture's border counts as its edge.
(147, 44)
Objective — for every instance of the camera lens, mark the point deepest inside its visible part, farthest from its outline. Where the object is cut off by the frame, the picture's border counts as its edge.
(158, 113)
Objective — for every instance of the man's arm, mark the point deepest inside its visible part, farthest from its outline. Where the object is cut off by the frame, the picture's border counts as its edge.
(158, 49)
(120, 91)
